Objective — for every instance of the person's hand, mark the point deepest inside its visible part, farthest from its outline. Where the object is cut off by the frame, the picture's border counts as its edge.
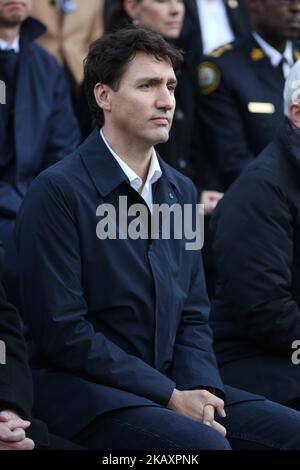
(210, 199)
(200, 405)
(12, 432)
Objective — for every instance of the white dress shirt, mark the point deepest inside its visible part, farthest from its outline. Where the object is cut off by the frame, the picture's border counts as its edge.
(214, 23)
(154, 173)
(275, 56)
(15, 45)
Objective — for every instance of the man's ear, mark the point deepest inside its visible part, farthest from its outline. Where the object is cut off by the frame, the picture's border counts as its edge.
(102, 95)
(294, 114)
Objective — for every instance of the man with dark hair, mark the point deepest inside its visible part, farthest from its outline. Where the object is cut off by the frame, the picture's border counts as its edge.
(122, 349)
(242, 83)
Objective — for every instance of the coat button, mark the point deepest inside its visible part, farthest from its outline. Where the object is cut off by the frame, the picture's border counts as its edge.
(171, 196)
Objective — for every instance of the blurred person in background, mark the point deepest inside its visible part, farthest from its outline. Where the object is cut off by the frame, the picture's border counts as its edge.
(72, 25)
(37, 124)
(242, 84)
(71, 28)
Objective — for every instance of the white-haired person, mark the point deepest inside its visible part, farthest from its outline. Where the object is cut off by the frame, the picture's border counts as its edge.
(256, 245)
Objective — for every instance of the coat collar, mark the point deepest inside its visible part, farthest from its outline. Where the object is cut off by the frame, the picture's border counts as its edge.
(104, 170)
(31, 29)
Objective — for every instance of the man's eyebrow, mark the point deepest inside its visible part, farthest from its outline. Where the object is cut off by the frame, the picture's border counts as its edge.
(155, 80)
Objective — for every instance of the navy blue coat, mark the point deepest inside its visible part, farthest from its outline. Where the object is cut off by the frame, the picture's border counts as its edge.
(112, 323)
(256, 238)
(231, 78)
(44, 123)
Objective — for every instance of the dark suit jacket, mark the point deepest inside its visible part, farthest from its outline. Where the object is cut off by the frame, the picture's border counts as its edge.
(45, 127)
(231, 79)
(113, 323)
(16, 390)
(256, 238)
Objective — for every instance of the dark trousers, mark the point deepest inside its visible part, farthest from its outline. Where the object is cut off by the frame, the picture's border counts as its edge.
(256, 425)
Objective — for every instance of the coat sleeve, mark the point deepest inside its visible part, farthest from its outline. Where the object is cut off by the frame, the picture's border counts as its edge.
(225, 132)
(253, 247)
(15, 378)
(10, 200)
(194, 364)
(57, 312)
(63, 133)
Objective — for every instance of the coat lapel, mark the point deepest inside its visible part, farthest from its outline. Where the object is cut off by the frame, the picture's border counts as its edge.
(102, 168)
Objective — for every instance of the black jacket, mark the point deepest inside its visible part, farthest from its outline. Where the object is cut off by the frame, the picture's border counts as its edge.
(16, 389)
(256, 239)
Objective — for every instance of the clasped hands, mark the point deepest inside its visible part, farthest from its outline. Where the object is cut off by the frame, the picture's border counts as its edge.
(200, 405)
(12, 432)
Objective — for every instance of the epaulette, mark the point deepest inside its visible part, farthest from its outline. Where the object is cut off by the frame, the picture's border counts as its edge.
(216, 53)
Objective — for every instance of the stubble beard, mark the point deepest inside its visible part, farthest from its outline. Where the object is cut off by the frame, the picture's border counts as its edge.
(12, 22)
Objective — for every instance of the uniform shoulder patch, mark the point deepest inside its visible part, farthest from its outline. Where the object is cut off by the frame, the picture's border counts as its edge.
(209, 77)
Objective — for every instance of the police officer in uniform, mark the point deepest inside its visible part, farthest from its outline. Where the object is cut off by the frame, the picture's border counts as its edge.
(242, 83)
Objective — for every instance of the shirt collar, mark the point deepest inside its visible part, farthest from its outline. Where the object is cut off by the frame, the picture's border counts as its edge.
(274, 55)
(15, 45)
(154, 172)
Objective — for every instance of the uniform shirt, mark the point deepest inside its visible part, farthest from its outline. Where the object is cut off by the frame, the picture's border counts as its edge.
(214, 22)
(15, 45)
(154, 173)
(275, 56)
